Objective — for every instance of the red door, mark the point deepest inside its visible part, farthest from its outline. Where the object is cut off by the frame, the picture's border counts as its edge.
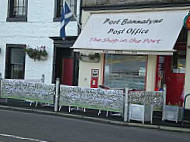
(67, 71)
(174, 82)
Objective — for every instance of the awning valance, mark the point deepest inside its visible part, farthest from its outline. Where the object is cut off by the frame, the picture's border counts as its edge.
(131, 33)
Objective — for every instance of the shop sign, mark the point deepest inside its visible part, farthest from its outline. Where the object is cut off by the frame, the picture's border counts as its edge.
(138, 31)
(187, 22)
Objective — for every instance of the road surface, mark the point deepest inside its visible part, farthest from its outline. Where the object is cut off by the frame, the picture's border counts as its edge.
(31, 127)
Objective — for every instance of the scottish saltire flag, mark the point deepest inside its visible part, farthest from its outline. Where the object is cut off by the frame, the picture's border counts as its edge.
(65, 18)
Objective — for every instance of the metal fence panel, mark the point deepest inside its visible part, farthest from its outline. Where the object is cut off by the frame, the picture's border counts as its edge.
(28, 91)
(147, 97)
(108, 100)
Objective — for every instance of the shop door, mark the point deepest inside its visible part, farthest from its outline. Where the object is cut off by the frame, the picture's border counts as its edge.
(67, 71)
(174, 72)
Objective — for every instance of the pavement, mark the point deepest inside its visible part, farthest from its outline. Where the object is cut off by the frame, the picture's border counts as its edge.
(92, 115)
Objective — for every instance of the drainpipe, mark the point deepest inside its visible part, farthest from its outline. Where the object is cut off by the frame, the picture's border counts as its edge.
(80, 17)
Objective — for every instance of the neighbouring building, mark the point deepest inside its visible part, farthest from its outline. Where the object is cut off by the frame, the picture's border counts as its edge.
(36, 24)
(138, 44)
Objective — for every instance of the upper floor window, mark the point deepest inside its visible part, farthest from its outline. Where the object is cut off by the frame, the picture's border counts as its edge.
(17, 10)
(59, 6)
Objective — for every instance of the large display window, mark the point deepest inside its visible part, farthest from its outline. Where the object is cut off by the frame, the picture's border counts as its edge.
(125, 71)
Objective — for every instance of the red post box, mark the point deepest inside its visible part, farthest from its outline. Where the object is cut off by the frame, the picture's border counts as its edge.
(94, 78)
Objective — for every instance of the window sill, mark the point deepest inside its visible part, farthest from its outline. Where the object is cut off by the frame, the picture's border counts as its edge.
(16, 19)
(58, 19)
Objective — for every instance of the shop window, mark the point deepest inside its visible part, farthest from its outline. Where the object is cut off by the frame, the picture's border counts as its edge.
(15, 62)
(59, 6)
(125, 71)
(17, 10)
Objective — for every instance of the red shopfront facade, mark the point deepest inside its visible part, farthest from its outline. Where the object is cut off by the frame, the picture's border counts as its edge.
(171, 71)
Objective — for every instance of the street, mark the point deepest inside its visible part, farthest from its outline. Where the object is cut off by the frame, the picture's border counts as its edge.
(31, 127)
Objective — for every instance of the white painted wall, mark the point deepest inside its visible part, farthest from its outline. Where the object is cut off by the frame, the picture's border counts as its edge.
(85, 72)
(151, 72)
(3, 14)
(35, 32)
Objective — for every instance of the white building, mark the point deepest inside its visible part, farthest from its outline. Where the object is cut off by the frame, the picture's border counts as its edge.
(33, 23)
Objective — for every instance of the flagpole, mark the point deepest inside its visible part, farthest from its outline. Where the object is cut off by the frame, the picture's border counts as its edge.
(80, 26)
(62, 31)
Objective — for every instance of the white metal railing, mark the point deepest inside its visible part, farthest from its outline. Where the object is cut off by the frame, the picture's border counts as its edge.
(80, 97)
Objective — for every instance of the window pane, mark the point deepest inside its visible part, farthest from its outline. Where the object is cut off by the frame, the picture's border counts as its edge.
(15, 2)
(19, 8)
(179, 61)
(17, 71)
(21, 11)
(21, 2)
(73, 6)
(17, 56)
(125, 71)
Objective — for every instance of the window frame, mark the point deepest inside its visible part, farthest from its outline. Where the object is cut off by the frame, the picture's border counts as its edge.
(8, 59)
(11, 18)
(57, 4)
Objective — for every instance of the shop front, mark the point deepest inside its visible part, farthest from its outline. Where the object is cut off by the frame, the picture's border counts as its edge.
(139, 50)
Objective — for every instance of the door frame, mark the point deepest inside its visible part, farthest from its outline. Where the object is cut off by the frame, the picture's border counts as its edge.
(61, 46)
